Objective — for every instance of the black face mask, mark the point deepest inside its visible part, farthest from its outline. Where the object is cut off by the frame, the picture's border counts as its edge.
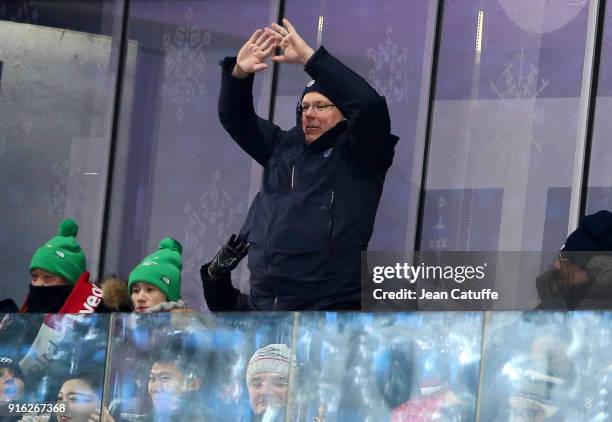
(47, 299)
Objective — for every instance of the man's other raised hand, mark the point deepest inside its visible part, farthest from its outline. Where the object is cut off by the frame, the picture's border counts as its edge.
(295, 49)
(255, 51)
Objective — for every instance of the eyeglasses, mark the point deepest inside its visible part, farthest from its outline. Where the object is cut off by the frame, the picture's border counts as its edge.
(317, 108)
(563, 259)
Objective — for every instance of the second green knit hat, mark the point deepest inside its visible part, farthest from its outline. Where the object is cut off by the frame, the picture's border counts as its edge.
(61, 255)
(161, 269)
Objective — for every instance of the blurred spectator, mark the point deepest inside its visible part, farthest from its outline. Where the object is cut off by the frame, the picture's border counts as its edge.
(540, 381)
(173, 389)
(394, 373)
(83, 395)
(267, 376)
(12, 386)
(174, 384)
(436, 399)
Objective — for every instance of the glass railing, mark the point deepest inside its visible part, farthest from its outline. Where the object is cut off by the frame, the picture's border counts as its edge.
(442, 366)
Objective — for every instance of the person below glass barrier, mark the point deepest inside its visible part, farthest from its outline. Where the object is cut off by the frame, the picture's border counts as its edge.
(322, 179)
(583, 270)
(267, 378)
(82, 394)
(173, 388)
(12, 386)
(541, 381)
(437, 398)
(155, 283)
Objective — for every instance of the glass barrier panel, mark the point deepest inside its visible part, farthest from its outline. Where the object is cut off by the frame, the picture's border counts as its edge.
(546, 366)
(188, 366)
(387, 366)
(54, 361)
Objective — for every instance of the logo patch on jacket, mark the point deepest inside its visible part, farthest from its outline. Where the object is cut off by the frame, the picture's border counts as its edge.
(327, 152)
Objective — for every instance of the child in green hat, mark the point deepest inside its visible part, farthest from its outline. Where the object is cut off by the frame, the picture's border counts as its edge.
(155, 283)
(55, 268)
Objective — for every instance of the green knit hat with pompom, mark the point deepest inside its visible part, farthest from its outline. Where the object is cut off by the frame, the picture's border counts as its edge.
(62, 255)
(161, 269)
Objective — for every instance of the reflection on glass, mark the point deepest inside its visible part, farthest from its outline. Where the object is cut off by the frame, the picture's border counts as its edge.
(424, 367)
(302, 367)
(546, 367)
(399, 367)
(53, 357)
(197, 367)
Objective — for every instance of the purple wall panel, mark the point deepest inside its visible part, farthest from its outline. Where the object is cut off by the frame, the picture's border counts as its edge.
(550, 37)
(506, 117)
(599, 194)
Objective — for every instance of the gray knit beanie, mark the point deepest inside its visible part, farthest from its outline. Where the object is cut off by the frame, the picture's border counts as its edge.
(272, 358)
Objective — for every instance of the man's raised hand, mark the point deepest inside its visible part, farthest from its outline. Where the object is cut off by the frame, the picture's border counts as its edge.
(254, 52)
(295, 49)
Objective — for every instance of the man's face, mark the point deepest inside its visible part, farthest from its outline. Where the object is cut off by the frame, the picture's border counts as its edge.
(571, 274)
(82, 401)
(11, 387)
(267, 389)
(145, 296)
(167, 385)
(45, 278)
(316, 122)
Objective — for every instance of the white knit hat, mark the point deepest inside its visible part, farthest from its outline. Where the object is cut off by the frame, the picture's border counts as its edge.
(271, 358)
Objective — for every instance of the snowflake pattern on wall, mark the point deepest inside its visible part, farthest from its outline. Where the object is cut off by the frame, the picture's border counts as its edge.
(520, 79)
(23, 11)
(388, 76)
(184, 64)
(209, 220)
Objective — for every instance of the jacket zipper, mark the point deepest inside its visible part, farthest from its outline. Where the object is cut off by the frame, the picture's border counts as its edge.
(292, 175)
(332, 216)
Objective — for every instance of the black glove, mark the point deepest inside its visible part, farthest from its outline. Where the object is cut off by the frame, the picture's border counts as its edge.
(228, 257)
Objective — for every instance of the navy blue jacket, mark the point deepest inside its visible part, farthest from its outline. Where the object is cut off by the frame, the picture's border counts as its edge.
(314, 214)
